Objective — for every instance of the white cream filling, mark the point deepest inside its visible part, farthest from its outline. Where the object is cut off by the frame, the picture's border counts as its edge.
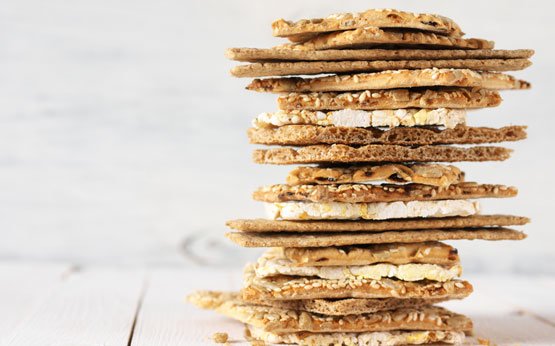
(360, 118)
(371, 211)
(273, 263)
(392, 338)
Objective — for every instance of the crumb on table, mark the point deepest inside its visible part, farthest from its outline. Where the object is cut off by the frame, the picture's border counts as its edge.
(220, 338)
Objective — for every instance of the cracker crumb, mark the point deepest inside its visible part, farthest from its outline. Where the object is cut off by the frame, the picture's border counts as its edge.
(482, 341)
(258, 343)
(220, 338)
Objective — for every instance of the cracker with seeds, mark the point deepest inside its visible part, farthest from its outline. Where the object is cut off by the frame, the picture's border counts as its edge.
(374, 153)
(284, 54)
(327, 239)
(302, 135)
(299, 31)
(395, 79)
(268, 69)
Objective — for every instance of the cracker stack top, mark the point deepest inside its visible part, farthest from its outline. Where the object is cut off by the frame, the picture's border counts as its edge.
(377, 102)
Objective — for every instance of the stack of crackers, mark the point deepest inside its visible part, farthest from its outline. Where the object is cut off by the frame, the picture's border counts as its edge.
(377, 110)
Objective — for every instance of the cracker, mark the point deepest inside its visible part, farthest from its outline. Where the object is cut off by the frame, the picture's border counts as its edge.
(393, 338)
(396, 253)
(363, 193)
(351, 306)
(474, 221)
(392, 99)
(301, 135)
(390, 80)
(266, 69)
(282, 54)
(280, 320)
(426, 174)
(381, 18)
(340, 153)
(293, 288)
(321, 239)
(367, 37)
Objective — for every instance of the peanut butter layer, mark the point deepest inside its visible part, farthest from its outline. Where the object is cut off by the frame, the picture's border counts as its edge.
(391, 80)
(400, 253)
(302, 135)
(362, 193)
(287, 68)
(279, 320)
(381, 18)
(276, 54)
(324, 226)
(374, 153)
(392, 99)
(293, 288)
(425, 174)
(327, 239)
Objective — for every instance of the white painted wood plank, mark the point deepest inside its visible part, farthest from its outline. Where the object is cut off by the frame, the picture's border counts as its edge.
(25, 286)
(165, 319)
(94, 307)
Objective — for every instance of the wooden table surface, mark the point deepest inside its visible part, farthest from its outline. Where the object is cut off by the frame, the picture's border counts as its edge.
(60, 304)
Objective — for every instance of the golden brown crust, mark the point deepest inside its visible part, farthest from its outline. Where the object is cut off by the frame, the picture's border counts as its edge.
(426, 174)
(339, 153)
(367, 37)
(293, 288)
(397, 253)
(474, 221)
(266, 69)
(382, 18)
(277, 54)
(314, 239)
(301, 135)
(280, 320)
(390, 80)
(392, 99)
(362, 193)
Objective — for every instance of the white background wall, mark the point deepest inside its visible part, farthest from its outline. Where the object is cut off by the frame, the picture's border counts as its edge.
(122, 134)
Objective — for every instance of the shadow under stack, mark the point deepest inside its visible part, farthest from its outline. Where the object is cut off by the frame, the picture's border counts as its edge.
(355, 254)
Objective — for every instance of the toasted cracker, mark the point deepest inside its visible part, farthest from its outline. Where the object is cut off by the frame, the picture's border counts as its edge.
(474, 221)
(390, 80)
(367, 37)
(266, 69)
(276, 54)
(321, 239)
(432, 252)
(392, 99)
(381, 18)
(393, 338)
(339, 153)
(292, 288)
(363, 193)
(426, 174)
(301, 135)
(280, 320)
(351, 306)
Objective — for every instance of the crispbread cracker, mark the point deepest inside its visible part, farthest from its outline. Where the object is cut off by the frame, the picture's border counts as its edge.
(266, 69)
(391, 99)
(395, 253)
(474, 221)
(317, 239)
(339, 153)
(426, 174)
(392, 338)
(293, 288)
(381, 18)
(390, 80)
(368, 37)
(351, 306)
(274, 54)
(363, 193)
(287, 321)
(301, 135)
